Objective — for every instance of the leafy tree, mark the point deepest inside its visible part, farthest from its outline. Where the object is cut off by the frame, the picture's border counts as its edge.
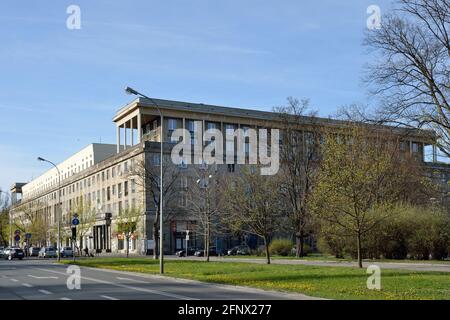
(362, 171)
(127, 223)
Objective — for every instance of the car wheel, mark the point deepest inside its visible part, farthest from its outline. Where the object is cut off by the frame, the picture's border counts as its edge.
(20, 258)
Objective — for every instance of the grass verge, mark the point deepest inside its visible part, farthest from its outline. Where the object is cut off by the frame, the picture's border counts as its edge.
(318, 281)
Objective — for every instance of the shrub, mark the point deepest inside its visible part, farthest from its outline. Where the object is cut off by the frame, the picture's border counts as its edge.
(282, 247)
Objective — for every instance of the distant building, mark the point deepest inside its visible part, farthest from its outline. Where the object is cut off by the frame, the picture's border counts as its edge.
(100, 175)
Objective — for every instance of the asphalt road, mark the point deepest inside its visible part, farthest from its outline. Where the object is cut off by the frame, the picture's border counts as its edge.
(46, 280)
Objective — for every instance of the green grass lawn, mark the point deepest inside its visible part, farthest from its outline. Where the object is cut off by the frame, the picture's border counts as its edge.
(325, 257)
(326, 282)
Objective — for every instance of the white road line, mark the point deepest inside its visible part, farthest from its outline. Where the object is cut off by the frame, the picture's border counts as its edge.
(44, 291)
(64, 298)
(109, 298)
(36, 277)
(129, 279)
(27, 285)
(161, 293)
(14, 280)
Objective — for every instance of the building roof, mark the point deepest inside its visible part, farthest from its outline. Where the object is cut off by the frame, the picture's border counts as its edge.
(252, 114)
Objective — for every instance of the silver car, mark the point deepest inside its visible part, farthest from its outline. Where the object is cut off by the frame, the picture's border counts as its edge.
(66, 252)
(47, 252)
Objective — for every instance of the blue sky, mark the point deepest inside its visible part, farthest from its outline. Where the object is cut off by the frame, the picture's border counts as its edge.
(60, 87)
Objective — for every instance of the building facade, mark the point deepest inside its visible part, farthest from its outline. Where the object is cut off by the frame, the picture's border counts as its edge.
(103, 185)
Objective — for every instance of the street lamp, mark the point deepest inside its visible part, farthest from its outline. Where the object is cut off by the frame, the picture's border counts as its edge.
(129, 90)
(9, 216)
(59, 205)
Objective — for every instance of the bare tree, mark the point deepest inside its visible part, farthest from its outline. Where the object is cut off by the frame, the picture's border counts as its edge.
(253, 205)
(148, 179)
(411, 72)
(204, 201)
(299, 160)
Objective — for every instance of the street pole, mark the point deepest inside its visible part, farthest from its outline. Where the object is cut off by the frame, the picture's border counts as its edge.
(59, 207)
(129, 90)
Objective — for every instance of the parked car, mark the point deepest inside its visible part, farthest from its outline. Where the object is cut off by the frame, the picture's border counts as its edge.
(66, 252)
(201, 252)
(34, 251)
(13, 253)
(47, 252)
(190, 251)
(1, 251)
(239, 250)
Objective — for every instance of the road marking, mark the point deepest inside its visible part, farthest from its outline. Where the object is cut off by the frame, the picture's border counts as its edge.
(45, 291)
(36, 277)
(14, 280)
(27, 285)
(129, 279)
(108, 297)
(161, 293)
(64, 298)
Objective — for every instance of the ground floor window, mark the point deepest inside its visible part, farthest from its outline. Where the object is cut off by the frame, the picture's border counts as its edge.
(120, 244)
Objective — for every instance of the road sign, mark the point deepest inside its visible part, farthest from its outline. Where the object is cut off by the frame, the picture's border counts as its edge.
(75, 221)
(17, 238)
(17, 232)
(27, 236)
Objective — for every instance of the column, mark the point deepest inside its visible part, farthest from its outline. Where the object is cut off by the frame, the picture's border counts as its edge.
(118, 138)
(139, 128)
(132, 131)
(125, 135)
(434, 153)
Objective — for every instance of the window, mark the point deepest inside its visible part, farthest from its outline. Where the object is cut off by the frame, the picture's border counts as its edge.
(125, 166)
(103, 176)
(184, 182)
(125, 188)
(107, 174)
(119, 190)
(183, 200)
(108, 193)
(415, 147)
(133, 186)
(113, 172)
(114, 190)
(171, 126)
(231, 167)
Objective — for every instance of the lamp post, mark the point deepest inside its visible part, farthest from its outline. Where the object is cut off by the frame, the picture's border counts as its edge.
(9, 217)
(129, 90)
(59, 206)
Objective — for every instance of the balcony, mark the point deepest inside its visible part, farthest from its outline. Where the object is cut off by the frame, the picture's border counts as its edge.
(152, 135)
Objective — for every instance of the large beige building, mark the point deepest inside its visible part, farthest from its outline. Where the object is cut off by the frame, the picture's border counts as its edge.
(102, 178)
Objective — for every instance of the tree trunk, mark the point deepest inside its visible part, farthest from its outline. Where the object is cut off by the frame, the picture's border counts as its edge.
(208, 236)
(266, 246)
(358, 246)
(128, 245)
(155, 240)
(300, 245)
